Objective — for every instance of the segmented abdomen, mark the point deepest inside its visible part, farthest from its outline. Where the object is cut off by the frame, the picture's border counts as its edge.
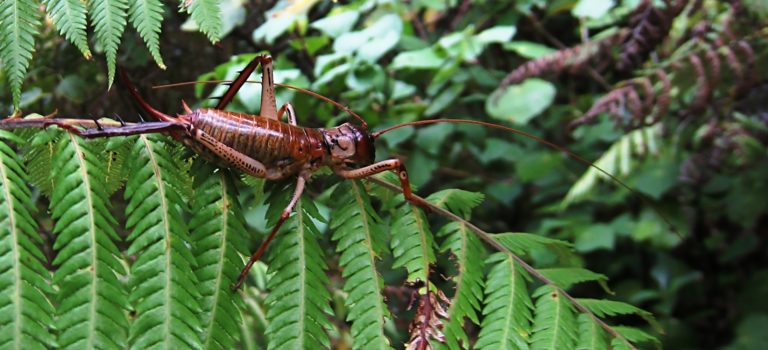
(266, 140)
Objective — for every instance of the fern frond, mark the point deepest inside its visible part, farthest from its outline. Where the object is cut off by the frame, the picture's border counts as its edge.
(298, 300)
(567, 276)
(457, 201)
(147, 17)
(20, 19)
(507, 310)
(468, 250)
(591, 336)
(554, 326)
(603, 308)
(108, 18)
(39, 159)
(633, 335)
(69, 18)
(25, 311)
(412, 243)
(117, 151)
(357, 229)
(218, 244)
(521, 243)
(164, 288)
(92, 300)
(619, 154)
(207, 15)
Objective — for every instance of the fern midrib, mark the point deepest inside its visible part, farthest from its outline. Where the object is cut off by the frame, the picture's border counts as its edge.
(89, 198)
(511, 305)
(167, 230)
(222, 255)
(14, 251)
(556, 325)
(302, 273)
(423, 238)
(369, 246)
(593, 330)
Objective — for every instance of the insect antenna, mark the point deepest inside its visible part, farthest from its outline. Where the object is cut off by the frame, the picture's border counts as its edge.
(304, 91)
(549, 144)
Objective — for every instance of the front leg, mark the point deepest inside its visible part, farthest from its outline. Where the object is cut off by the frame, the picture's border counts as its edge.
(396, 166)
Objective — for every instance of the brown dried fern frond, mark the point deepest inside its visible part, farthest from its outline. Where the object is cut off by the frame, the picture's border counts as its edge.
(649, 25)
(569, 59)
(427, 325)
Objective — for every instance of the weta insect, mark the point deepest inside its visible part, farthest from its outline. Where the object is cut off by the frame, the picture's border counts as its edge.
(266, 147)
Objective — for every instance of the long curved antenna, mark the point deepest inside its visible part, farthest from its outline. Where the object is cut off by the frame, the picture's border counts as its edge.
(304, 91)
(549, 144)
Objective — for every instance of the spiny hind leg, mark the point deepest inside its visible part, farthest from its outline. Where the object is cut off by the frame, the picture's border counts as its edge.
(239, 160)
(268, 104)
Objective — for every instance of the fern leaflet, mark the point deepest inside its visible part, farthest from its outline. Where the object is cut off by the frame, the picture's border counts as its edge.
(69, 17)
(218, 245)
(164, 287)
(19, 20)
(507, 311)
(207, 15)
(361, 242)
(25, 312)
(591, 336)
(147, 17)
(412, 243)
(108, 17)
(298, 300)
(92, 301)
(555, 325)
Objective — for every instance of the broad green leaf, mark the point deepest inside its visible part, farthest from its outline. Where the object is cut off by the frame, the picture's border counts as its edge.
(528, 49)
(425, 58)
(338, 24)
(592, 8)
(520, 103)
(498, 34)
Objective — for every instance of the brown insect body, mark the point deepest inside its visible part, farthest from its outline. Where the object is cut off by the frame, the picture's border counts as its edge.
(282, 148)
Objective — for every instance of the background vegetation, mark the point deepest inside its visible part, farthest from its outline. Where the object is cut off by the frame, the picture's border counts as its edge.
(667, 95)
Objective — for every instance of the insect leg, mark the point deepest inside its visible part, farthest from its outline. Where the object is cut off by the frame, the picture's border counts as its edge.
(268, 104)
(90, 128)
(288, 107)
(283, 216)
(390, 164)
(241, 161)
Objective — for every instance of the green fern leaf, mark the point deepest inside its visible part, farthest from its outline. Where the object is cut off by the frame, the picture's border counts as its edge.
(360, 238)
(507, 311)
(603, 308)
(25, 312)
(554, 326)
(218, 243)
(566, 277)
(412, 243)
(147, 17)
(117, 151)
(468, 250)
(69, 18)
(92, 301)
(457, 201)
(522, 243)
(633, 335)
(591, 336)
(298, 300)
(207, 15)
(39, 159)
(108, 18)
(164, 287)
(20, 19)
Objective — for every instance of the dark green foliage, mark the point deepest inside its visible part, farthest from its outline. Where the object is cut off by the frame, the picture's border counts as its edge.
(165, 291)
(298, 313)
(218, 234)
(25, 312)
(91, 302)
(357, 228)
